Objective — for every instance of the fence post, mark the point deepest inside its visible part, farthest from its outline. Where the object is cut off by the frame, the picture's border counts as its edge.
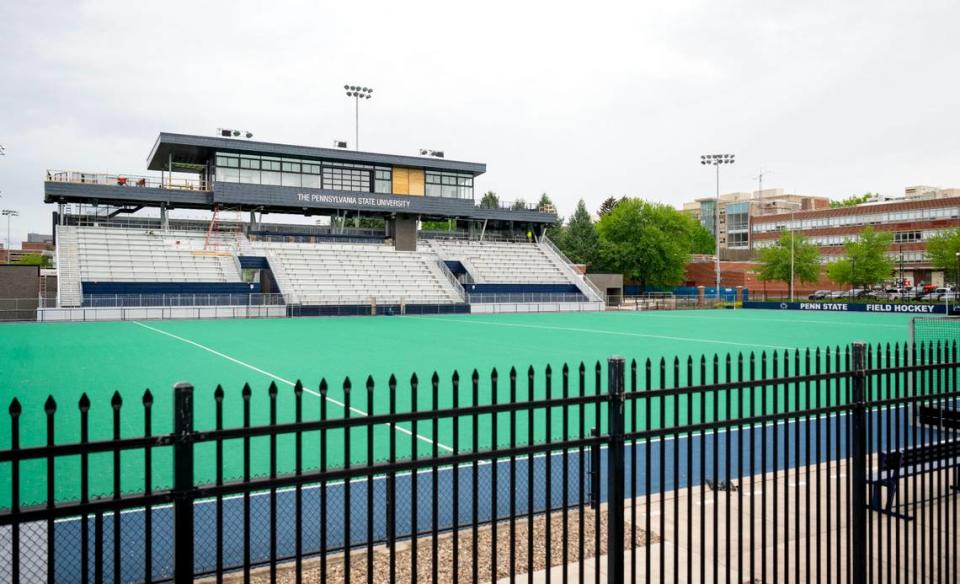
(858, 498)
(183, 483)
(615, 470)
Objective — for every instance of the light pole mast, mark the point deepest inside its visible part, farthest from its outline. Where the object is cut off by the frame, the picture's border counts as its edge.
(716, 160)
(357, 93)
(8, 213)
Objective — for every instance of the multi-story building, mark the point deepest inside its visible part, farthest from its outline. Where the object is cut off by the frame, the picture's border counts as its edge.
(913, 219)
(739, 210)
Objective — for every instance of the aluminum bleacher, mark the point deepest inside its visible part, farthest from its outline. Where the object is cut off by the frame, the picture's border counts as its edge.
(133, 255)
(502, 262)
(344, 273)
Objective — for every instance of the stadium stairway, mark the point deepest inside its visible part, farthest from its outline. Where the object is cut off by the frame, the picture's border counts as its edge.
(69, 291)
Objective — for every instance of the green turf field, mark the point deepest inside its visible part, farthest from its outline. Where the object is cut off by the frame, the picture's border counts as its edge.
(67, 359)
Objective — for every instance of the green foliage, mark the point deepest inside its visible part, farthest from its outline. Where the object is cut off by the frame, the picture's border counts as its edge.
(851, 201)
(608, 205)
(34, 259)
(579, 239)
(775, 261)
(448, 225)
(545, 201)
(942, 250)
(519, 205)
(490, 200)
(647, 242)
(866, 260)
(701, 240)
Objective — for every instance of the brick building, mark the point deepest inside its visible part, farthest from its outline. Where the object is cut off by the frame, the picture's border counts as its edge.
(913, 219)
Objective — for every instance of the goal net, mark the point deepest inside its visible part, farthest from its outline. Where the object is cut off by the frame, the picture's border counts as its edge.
(927, 331)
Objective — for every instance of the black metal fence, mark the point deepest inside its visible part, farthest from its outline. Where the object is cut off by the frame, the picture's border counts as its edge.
(833, 465)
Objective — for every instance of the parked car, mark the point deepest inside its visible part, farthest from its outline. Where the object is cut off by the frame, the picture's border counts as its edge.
(935, 294)
(898, 294)
(820, 295)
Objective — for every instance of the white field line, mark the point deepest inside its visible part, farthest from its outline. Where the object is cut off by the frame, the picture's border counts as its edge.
(290, 383)
(605, 332)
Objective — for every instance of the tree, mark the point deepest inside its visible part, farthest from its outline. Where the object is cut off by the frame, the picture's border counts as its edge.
(579, 239)
(866, 261)
(545, 201)
(942, 249)
(792, 253)
(852, 201)
(447, 225)
(608, 205)
(490, 200)
(701, 240)
(34, 259)
(646, 242)
(519, 205)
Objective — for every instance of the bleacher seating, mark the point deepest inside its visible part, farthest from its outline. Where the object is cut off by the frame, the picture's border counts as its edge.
(133, 255)
(342, 273)
(502, 262)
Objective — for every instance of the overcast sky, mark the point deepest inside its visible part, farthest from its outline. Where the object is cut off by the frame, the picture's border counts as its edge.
(586, 99)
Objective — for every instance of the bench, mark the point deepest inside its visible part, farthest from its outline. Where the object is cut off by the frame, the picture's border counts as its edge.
(908, 462)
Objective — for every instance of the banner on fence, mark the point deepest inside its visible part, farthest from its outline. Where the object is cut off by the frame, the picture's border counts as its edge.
(828, 306)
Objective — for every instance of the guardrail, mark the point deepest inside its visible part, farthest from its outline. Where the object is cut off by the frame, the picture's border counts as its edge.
(127, 180)
(568, 265)
(461, 294)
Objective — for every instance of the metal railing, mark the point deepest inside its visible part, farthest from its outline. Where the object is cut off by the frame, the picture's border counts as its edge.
(518, 205)
(457, 286)
(128, 180)
(572, 273)
(761, 464)
(524, 297)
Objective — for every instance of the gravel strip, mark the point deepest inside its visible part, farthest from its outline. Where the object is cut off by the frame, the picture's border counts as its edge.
(381, 556)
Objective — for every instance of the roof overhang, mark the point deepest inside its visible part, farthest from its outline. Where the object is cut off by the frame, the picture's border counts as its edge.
(190, 153)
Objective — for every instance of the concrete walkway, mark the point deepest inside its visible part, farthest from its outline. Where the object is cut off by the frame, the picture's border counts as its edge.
(922, 550)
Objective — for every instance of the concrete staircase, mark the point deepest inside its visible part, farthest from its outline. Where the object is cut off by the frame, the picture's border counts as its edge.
(69, 291)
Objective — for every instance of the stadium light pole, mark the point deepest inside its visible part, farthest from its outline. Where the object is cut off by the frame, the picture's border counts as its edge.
(716, 160)
(357, 93)
(8, 213)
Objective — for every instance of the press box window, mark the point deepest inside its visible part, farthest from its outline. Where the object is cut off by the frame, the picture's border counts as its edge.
(383, 181)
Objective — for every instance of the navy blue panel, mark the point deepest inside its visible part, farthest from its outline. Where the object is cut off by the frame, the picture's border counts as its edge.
(521, 289)
(170, 288)
(253, 263)
(844, 306)
(729, 294)
(382, 309)
(456, 267)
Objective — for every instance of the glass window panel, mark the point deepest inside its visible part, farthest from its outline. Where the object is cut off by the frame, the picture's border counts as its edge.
(225, 174)
(290, 179)
(269, 178)
(311, 181)
(249, 176)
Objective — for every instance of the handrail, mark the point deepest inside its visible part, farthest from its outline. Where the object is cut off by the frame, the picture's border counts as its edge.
(568, 266)
(461, 293)
(127, 180)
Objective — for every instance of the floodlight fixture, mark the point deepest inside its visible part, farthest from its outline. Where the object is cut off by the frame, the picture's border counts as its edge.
(716, 160)
(357, 92)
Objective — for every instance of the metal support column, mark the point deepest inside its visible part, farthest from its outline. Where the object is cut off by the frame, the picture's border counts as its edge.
(183, 483)
(615, 471)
